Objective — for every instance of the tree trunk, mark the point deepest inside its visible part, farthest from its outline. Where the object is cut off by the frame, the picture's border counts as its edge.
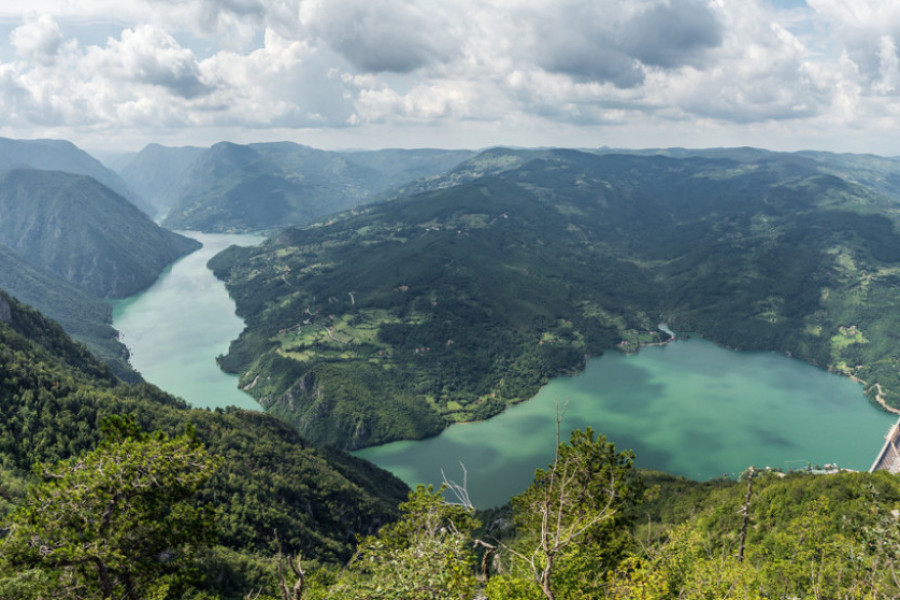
(746, 513)
(106, 588)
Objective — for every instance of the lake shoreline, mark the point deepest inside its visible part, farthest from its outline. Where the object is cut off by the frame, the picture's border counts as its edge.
(694, 409)
(176, 328)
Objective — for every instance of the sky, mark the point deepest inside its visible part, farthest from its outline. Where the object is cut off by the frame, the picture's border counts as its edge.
(115, 75)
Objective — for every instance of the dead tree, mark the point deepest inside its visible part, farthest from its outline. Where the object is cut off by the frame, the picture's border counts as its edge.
(294, 592)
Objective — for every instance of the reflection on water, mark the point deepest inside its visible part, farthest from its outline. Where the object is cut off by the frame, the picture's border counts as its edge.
(690, 408)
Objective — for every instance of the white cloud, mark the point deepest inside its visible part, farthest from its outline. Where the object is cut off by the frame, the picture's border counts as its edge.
(147, 55)
(761, 72)
(613, 41)
(145, 79)
(888, 67)
(865, 32)
(38, 39)
(547, 66)
(383, 35)
(286, 83)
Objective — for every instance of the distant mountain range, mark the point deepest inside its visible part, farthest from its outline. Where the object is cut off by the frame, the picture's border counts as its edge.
(61, 155)
(157, 171)
(232, 187)
(393, 320)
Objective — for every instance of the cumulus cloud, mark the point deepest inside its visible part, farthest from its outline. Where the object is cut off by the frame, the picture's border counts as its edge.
(672, 34)
(263, 64)
(149, 56)
(39, 39)
(146, 79)
(286, 83)
(610, 41)
(231, 23)
(761, 72)
(866, 32)
(382, 35)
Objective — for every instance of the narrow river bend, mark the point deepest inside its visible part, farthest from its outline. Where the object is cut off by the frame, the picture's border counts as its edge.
(177, 327)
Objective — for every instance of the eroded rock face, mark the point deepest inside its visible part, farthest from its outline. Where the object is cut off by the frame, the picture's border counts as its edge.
(5, 312)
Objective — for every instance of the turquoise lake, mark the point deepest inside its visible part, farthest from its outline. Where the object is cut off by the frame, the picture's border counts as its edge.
(176, 328)
(690, 407)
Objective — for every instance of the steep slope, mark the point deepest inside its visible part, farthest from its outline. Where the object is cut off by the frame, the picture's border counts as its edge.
(82, 231)
(85, 317)
(53, 395)
(394, 320)
(61, 155)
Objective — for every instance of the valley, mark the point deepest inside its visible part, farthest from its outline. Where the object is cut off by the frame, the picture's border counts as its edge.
(395, 320)
(486, 259)
(175, 329)
(688, 408)
(407, 300)
(437, 333)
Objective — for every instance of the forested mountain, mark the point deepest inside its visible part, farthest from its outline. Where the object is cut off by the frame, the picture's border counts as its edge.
(61, 155)
(212, 504)
(396, 319)
(156, 172)
(232, 187)
(77, 228)
(53, 396)
(469, 297)
(85, 317)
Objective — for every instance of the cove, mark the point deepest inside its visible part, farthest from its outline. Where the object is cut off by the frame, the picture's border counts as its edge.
(176, 328)
(689, 408)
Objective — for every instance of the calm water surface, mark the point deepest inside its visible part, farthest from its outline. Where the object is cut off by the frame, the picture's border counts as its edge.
(690, 408)
(176, 328)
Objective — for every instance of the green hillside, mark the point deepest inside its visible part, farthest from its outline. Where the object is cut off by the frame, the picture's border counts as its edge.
(804, 536)
(85, 317)
(235, 479)
(53, 396)
(395, 320)
(85, 233)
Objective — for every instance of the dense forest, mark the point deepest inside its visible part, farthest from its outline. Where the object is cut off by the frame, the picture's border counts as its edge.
(132, 495)
(54, 396)
(395, 320)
